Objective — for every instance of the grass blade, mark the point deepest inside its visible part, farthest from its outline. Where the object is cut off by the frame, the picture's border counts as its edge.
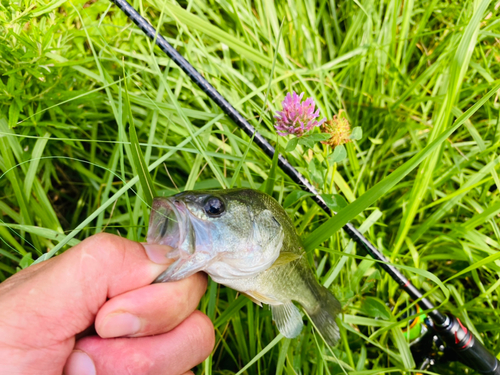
(333, 224)
(138, 159)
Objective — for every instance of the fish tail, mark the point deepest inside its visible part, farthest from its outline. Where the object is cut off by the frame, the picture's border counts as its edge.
(324, 313)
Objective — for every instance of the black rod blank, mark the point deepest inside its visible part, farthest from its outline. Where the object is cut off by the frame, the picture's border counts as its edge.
(269, 150)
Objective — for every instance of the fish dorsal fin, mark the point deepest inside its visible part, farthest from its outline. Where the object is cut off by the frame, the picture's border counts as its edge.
(284, 258)
(288, 319)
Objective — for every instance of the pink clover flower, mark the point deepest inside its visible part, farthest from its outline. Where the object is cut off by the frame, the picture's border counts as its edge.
(297, 117)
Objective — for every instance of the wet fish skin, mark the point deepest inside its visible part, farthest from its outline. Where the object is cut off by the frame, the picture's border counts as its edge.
(250, 246)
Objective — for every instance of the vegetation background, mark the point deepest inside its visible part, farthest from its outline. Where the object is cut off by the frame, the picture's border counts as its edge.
(84, 96)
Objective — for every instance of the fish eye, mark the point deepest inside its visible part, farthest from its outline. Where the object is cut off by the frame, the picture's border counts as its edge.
(214, 206)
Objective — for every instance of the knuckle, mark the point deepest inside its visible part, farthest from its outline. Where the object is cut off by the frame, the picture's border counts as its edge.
(100, 241)
(106, 246)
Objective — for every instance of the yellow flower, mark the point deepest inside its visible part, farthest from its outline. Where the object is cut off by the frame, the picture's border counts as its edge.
(338, 128)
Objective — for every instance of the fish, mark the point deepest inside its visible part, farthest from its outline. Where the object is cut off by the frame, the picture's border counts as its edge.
(246, 241)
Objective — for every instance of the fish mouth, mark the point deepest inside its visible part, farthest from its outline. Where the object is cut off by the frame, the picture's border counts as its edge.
(171, 223)
(168, 225)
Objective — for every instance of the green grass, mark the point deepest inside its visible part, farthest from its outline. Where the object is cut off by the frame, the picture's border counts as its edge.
(75, 76)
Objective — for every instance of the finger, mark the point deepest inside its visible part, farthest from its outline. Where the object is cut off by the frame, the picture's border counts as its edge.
(71, 288)
(173, 353)
(152, 309)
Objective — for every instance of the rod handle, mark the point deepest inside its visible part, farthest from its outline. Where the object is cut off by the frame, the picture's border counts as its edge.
(470, 351)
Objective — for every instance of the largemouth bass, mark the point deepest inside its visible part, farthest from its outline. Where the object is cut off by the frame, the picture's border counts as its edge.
(245, 240)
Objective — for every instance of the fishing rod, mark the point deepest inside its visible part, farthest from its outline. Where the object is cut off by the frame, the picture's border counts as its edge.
(470, 350)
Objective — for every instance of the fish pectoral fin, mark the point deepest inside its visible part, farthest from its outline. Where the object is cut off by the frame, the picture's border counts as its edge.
(284, 258)
(252, 298)
(288, 319)
(258, 298)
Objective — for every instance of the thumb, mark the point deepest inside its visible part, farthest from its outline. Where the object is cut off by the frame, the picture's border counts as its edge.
(61, 297)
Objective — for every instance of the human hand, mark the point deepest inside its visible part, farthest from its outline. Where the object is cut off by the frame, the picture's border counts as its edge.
(105, 280)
